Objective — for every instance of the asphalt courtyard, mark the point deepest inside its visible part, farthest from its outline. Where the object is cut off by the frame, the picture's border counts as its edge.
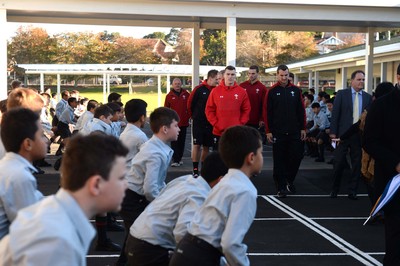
(308, 228)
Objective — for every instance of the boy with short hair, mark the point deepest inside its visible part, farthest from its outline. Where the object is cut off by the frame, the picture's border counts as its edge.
(118, 115)
(317, 132)
(101, 121)
(67, 118)
(148, 171)
(57, 231)
(87, 115)
(22, 135)
(219, 226)
(133, 137)
(164, 222)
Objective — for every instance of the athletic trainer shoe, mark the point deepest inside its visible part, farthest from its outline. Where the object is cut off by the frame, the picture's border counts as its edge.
(175, 164)
(281, 194)
(291, 188)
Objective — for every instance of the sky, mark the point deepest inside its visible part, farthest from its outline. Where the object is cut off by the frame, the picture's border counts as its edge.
(136, 32)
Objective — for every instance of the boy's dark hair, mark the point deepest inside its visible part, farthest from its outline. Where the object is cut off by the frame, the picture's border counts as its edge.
(18, 124)
(330, 101)
(315, 105)
(282, 67)
(310, 97)
(97, 150)
(312, 90)
(212, 73)
(213, 167)
(64, 93)
(53, 94)
(321, 94)
(113, 97)
(91, 104)
(353, 75)
(236, 143)
(326, 96)
(102, 110)
(3, 106)
(254, 67)
(230, 68)
(15, 84)
(134, 109)
(71, 100)
(162, 116)
(83, 100)
(114, 106)
(383, 88)
(291, 75)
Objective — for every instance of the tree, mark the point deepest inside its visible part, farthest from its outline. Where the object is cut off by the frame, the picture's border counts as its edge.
(127, 50)
(172, 36)
(155, 35)
(214, 45)
(183, 46)
(32, 45)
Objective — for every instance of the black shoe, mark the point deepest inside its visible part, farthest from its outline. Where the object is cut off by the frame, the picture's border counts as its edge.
(352, 196)
(281, 194)
(320, 160)
(57, 164)
(108, 246)
(114, 226)
(330, 161)
(333, 194)
(291, 188)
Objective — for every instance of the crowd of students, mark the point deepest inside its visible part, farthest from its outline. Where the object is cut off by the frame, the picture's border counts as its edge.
(109, 166)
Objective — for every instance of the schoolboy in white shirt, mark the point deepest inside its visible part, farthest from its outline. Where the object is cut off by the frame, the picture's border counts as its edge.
(133, 137)
(24, 141)
(87, 115)
(100, 122)
(56, 230)
(146, 177)
(164, 222)
(219, 226)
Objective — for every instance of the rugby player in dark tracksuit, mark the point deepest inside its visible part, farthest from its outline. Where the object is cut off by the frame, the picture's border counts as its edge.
(285, 128)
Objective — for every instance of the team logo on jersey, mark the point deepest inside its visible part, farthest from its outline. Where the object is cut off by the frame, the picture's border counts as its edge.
(236, 96)
(257, 90)
(221, 96)
(204, 93)
(278, 94)
(292, 92)
(173, 98)
(184, 97)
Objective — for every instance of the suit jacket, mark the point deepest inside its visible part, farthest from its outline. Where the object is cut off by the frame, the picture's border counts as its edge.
(342, 113)
(381, 140)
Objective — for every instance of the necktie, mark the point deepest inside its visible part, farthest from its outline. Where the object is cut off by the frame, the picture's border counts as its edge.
(356, 113)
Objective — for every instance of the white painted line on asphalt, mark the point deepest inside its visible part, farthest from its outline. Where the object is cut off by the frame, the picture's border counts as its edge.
(312, 218)
(309, 254)
(327, 234)
(103, 256)
(316, 196)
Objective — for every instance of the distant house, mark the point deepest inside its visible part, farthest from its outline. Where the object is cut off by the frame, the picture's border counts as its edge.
(160, 48)
(328, 45)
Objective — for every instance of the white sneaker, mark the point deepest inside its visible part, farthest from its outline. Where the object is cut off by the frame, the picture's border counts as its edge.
(181, 163)
(175, 164)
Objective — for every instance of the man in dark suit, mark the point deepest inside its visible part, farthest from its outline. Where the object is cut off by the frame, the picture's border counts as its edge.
(382, 142)
(348, 106)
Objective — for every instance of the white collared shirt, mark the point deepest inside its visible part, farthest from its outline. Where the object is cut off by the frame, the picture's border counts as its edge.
(96, 125)
(133, 138)
(148, 171)
(55, 231)
(83, 120)
(18, 188)
(226, 215)
(165, 220)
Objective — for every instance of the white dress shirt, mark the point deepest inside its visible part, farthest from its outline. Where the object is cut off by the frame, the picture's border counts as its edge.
(60, 107)
(165, 220)
(18, 188)
(132, 137)
(226, 215)
(83, 120)
(96, 125)
(149, 168)
(55, 231)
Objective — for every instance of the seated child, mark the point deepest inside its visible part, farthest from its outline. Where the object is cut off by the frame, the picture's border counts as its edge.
(220, 224)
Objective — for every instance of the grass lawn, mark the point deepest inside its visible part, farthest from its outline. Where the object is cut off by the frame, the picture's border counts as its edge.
(146, 93)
